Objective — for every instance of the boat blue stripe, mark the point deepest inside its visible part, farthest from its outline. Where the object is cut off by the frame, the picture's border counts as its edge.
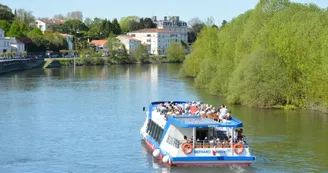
(225, 158)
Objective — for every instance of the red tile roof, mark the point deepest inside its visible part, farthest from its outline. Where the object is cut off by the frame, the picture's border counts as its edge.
(145, 44)
(154, 30)
(128, 37)
(52, 21)
(99, 42)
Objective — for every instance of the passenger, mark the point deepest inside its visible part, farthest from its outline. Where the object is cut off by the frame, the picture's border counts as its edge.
(191, 139)
(185, 140)
(240, 135)
(228, 116)
(235, 138)
(223, 111)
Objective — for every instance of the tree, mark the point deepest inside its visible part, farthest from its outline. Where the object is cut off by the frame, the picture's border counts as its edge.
(125, 23)
(6, 13)
(95, 29)
(24, 16)
(115, 47)
(15, 30)
(54, 41)
(116, 27)
(196, 25)
(175, 52)
(36, 36)
(75, 15)
(146, 23)
(75, 26)
(223, 23)
(140, 53)
(4, 25)
(88, 21)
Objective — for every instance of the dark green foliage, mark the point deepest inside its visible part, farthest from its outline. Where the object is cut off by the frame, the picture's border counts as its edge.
(6, 13)
(275, 54)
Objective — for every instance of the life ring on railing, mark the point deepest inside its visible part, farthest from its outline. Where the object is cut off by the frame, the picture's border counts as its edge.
(239, 146)
(187, 148)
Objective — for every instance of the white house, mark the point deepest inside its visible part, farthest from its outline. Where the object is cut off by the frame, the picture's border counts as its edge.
(4, 43)
(130, 43)
(16, 45)
(43, 24)
(69, 40)
(99, 44)
(174, 24)
(159, 39)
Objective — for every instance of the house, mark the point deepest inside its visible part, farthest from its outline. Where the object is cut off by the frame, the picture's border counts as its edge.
(16, 45)
(130, 43)
(99, 44)
(158, 39)
(69, 39)
(173, 23)
(43, 24)
(4, 43)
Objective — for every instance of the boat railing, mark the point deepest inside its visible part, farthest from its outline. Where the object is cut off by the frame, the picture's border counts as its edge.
(218, 144)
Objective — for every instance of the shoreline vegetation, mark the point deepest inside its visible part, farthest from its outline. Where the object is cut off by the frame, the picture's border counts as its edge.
(272, 56)
(89, 61)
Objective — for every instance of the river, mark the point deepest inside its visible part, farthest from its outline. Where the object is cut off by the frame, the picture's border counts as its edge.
(88, 119)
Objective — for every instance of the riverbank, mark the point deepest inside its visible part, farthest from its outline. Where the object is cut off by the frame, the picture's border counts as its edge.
(7, 66)
(89, 61)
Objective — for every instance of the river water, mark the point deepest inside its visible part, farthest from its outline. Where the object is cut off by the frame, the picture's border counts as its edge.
(88, 119)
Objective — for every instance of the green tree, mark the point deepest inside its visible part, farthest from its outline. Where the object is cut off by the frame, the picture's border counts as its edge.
(75, 26)
(6, 13)
(36, 36)
(140, 53)
(125, 23)
(175, 52)
(54, 41)
(4, 25)
(15, 30)
(116, 27)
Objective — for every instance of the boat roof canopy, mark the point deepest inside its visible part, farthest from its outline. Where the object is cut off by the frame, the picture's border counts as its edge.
(198, 122)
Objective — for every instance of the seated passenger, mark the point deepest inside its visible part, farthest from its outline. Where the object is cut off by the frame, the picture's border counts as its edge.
(228, 116)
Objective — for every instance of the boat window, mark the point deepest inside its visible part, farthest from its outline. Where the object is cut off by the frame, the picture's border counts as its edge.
(201, 133)
(172, 141)
(155, 131)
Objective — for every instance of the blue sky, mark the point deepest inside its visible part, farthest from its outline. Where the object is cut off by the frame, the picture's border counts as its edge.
(186, 9)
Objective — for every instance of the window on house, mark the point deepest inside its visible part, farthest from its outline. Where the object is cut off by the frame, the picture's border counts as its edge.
(148, 35)
(148, 40)
(0, 35)
(132, 35)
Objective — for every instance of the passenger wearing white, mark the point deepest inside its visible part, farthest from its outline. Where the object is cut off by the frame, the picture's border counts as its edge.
(223, 111)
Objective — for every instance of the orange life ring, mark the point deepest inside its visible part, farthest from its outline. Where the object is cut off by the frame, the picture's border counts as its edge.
(187, 148)
(239, 145)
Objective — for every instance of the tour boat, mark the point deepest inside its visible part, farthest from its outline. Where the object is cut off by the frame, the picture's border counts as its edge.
(210, 142)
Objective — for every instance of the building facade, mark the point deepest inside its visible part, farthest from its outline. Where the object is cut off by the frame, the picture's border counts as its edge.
(4, 43)
(16, 45)
(173, 23)
(43, 24)
(130, 43)
(158, 39)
